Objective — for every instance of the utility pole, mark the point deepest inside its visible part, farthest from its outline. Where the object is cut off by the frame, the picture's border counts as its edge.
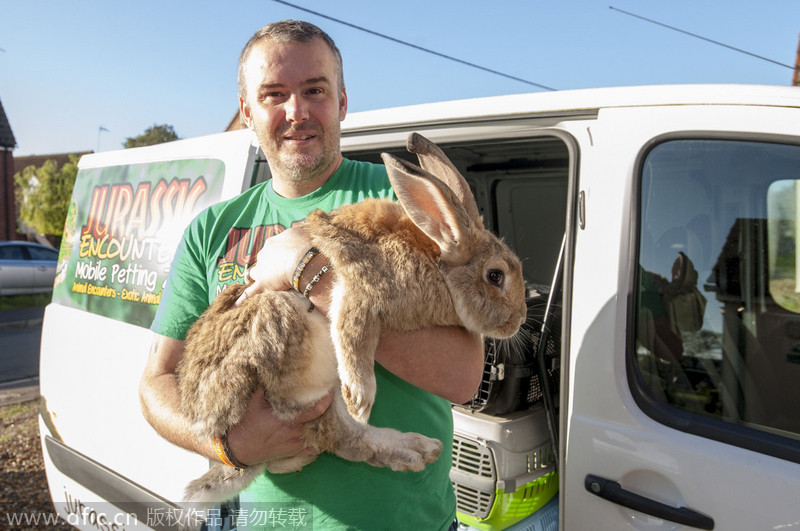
(796, 76)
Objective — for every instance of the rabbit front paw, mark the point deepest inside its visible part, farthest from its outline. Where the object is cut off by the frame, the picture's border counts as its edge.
(359, 397)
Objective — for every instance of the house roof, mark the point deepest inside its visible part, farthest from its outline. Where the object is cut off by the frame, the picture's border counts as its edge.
(20, 163)
(7, 139)
(235, 123)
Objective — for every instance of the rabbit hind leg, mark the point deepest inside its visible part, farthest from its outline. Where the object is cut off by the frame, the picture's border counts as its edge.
(220, 483)
(337, 432)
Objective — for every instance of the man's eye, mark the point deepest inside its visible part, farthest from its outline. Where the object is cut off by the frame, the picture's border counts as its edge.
(272, 96)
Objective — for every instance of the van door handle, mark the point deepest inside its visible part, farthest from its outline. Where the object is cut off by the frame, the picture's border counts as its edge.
(613, 492)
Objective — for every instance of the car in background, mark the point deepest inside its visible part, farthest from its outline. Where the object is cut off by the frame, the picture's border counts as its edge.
(26, 268)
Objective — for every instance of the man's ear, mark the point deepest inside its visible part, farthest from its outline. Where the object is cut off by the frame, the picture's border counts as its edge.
(343, 105)
(244, 113)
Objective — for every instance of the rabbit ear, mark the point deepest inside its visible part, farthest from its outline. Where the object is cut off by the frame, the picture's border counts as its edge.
(434, 161)
(431, 206)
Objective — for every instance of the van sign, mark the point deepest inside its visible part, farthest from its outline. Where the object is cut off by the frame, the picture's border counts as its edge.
(121, 231)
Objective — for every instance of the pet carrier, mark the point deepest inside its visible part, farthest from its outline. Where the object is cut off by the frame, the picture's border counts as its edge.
(503, 467)
(511, 379)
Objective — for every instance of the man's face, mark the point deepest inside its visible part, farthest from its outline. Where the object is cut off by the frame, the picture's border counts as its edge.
(293, 104)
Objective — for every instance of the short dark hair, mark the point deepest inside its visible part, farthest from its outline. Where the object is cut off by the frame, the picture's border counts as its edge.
(290, 31)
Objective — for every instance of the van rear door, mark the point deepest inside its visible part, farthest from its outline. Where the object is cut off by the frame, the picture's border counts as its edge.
(106, 467)
(683, 409)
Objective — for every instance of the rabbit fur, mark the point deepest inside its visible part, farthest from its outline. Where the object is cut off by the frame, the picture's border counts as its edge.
(423, 262)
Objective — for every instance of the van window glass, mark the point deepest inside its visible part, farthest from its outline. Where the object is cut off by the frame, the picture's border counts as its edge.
(717, 333)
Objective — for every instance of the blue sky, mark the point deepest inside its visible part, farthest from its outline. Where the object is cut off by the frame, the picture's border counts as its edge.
(68, 68)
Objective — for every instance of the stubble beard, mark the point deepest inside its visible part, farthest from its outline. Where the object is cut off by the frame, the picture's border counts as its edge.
(304, 167)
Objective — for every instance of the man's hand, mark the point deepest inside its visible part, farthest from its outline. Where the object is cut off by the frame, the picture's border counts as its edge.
(261, 438)
(276, 263)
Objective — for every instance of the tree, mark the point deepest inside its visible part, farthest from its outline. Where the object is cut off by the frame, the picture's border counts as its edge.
(44, 194)
(156, 134)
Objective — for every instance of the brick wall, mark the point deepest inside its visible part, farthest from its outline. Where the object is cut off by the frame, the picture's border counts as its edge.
(8, 215)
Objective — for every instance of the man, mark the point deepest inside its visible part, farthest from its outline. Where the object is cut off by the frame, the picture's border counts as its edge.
(292, 94)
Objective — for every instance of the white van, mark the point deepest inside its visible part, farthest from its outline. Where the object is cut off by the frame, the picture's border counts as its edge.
(658, 385)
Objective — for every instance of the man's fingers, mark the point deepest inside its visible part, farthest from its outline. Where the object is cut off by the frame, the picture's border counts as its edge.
(245, 294)
(309, 450)
(250, 291)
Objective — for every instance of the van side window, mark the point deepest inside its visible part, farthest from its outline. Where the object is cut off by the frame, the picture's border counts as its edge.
(715, 322)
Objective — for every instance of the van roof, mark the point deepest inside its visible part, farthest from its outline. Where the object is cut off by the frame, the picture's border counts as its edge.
(571, 102)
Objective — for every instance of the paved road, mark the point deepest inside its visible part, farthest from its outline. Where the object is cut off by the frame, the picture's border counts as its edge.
(19, 391)
(20, 335)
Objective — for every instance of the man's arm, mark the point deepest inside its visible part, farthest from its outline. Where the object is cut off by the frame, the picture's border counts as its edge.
(258, 438)
(445, 361)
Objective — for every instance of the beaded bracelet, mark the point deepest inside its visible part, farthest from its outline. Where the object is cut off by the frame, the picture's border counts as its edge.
(313, 281)
(224, 452)
(311, 253)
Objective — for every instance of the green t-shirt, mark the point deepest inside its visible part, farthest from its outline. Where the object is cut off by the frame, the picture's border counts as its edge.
(330, 493)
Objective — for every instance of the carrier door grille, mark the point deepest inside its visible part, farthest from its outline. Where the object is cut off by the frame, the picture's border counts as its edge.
(474, 484)
(472, 457)
(472, 501)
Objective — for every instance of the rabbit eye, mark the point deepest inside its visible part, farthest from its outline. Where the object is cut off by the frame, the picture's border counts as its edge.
(495, 277)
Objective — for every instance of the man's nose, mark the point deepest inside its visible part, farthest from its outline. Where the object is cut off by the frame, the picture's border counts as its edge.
(296, 109)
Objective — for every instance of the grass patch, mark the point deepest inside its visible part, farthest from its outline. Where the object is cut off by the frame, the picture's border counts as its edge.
(18, 302)
(18, 419)
(15, 410)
